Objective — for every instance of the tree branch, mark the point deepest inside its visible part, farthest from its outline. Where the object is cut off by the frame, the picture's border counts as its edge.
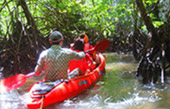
(145, 16)
(4, 4)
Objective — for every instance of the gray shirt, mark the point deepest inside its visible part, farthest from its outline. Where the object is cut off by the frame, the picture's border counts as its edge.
(54, 62)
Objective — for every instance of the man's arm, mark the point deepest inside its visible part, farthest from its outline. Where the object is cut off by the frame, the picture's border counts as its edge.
(79, 55)
(40, 64)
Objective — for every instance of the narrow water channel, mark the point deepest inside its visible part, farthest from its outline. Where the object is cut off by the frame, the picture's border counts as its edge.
(118, 89)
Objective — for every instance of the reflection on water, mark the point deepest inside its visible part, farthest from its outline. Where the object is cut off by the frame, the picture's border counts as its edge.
(118, 89)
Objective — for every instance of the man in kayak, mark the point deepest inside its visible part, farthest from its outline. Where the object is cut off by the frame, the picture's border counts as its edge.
(54, 61)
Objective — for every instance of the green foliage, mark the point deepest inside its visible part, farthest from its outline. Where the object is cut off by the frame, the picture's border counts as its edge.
(106, 17)
(150, 2)
(70, 15)
(164, 10)
(157, 24)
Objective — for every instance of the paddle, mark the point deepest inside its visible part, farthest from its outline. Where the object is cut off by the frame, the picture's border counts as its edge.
(18, 80)
(100, 46)
(13, 82)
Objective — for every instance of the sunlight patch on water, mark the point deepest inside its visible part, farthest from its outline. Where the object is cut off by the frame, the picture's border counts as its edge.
(135, 100)
(99, 102)
(92, 102)
(120, 66)
(11, 100)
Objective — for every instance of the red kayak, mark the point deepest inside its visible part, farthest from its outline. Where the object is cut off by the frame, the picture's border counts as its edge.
(44, 93)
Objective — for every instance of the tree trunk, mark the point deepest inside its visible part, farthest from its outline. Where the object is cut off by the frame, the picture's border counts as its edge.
(151, 53)
(24, 45)
(154, 39)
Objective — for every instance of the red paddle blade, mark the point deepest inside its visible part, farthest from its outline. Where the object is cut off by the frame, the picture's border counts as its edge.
(13, 82)
(102, 45)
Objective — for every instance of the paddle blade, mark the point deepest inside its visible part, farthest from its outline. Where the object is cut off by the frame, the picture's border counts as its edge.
(102, 45)
(13, 82)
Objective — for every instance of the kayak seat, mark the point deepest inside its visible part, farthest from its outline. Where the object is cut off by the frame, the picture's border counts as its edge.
(44, 87)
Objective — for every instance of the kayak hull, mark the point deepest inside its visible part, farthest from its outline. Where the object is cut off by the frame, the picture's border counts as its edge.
(67, 89)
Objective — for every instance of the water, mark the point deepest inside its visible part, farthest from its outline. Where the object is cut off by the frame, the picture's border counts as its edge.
(118, 89)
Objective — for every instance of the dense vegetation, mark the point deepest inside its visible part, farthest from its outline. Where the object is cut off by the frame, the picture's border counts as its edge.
(140, 27)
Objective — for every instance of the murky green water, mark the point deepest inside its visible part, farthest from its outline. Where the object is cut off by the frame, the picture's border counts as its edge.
(118, 89)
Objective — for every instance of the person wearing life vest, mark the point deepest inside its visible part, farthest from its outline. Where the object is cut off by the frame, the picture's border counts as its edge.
(82, 65)
(83, 36)
(87, 46)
